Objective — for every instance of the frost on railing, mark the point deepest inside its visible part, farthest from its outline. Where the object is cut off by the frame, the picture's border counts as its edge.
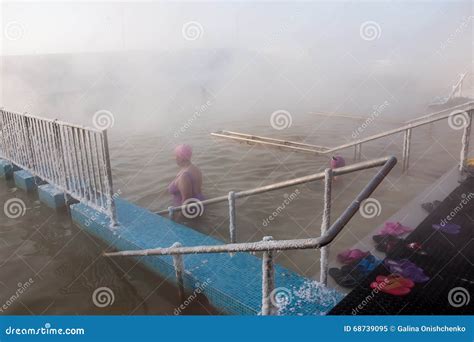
(73, 158)
(290, 301)
(273, 299)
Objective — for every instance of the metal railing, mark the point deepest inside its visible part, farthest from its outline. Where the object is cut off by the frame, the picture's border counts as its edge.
(72, 158)
(462, 107)
(197, 206)
(268, 245)
(463, 113)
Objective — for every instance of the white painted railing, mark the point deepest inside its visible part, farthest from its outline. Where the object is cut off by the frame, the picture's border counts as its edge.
(268, 245)
(459, 116)
(72, 158)
(197, 207)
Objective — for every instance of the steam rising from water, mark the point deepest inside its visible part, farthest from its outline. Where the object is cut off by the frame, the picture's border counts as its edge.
(180, 71)
(165, 61)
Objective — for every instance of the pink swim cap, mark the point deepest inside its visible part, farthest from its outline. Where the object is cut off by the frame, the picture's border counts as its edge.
(337, 161)
(183, 152)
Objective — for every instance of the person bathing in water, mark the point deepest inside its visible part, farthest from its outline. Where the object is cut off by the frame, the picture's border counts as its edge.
(336, 162)
(187, 183)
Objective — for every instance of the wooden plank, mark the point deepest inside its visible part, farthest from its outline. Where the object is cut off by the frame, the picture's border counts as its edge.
(314, 150)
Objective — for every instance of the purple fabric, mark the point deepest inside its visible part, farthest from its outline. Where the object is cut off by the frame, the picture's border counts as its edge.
(174, 191)
(351, 255)
(337, 161)
(394, 228)
(407, 269)
(449, 228)
(183, 151)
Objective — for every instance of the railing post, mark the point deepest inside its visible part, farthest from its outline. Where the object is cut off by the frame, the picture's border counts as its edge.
(232, 232)
(357, 152)
(108, 170)
(465, 143)
(2, 132)
(3, 144)
(59, 145)
(407, 161)
(406, 150)
(326, 222)
(171, 213)
(268, 280)
(179, 271)
(29, 147)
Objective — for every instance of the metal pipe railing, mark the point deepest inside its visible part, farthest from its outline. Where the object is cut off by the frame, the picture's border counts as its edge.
(178, 265)
(284, 184)
(232, 196)
(335, 228)
(464, 106)
(464, 155)
(73, 158)
(268, 280)
(464, 109)
(232, 217)
(428, 119)
(326, 222)
(392, 131)
(268, 245)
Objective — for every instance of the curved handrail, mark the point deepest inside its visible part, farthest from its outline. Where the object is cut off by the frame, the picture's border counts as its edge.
(421, 122)
(274, 245)
(281, 185)
(268, 245)
(470, 103)
(320, 150)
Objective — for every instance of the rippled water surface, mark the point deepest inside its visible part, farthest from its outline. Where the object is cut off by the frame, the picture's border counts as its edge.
(64, 262)
(143, 167)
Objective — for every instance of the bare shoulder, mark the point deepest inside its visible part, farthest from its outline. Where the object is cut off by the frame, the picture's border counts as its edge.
(196, 170)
